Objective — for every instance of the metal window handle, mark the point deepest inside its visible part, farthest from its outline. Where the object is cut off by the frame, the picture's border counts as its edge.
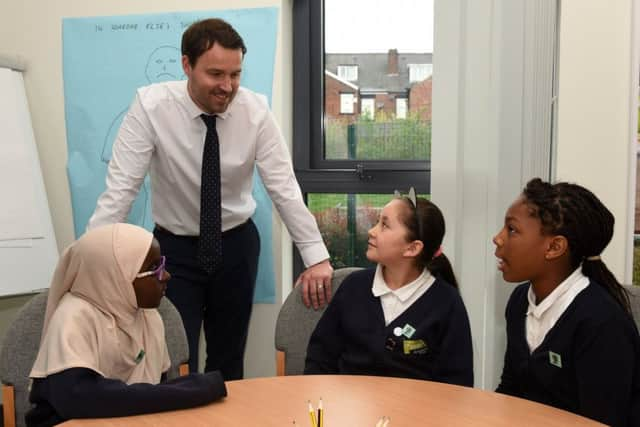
(362, 175)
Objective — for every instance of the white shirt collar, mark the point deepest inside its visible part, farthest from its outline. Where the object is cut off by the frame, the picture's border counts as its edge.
(542, 318)
(195, 111)
(403, 293)
(571, 283)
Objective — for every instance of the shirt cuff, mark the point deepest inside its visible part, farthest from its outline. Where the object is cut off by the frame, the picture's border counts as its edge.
(313, 254)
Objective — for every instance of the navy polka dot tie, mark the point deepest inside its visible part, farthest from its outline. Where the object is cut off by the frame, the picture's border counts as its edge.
(210, 242)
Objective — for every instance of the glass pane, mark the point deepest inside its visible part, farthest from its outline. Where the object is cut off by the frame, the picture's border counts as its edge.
(344, 220)
(384, 61)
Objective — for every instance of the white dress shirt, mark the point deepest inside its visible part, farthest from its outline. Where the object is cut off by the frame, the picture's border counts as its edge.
(163, 133)
(395, 301)
(542, 317)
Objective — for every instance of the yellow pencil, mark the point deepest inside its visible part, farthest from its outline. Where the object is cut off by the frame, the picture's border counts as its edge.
(386, 422)
(380, 422)
(312, 415)
(320, 414)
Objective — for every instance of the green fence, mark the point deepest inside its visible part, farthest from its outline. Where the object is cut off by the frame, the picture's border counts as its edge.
(407, 139)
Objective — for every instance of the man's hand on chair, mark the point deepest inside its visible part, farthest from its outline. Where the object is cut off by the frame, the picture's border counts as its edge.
(316, 284)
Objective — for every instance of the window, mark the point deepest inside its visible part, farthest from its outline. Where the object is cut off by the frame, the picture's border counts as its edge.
(401, 108)
(356, 136)
(368, 108)
(348, 72)
(346, 103)
(419, 72)
(341, 215)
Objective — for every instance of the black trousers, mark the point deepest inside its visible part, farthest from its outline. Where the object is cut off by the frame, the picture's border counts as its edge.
(221, 301)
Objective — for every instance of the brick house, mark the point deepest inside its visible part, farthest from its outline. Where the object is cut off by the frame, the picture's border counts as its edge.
(341, 97)
(372, 83)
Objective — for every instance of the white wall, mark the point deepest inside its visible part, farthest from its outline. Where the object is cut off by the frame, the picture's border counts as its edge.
(33, 30)
(478, 153)
(597, 112)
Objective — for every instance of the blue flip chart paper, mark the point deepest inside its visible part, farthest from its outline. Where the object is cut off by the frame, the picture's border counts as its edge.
(105, 59)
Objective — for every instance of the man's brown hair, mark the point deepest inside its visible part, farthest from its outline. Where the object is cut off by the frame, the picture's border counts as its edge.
(201, 35)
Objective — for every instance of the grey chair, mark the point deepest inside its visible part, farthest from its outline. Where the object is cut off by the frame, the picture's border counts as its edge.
(176, 338)
(19, 351)
(20, 348)
(634, 300)
(294, 326)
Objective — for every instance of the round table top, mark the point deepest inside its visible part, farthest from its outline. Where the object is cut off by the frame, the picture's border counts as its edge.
(355, 401)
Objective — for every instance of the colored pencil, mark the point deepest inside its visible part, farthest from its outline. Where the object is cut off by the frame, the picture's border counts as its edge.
(312, 415)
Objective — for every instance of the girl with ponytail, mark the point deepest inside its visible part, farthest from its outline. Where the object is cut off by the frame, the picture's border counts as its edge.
(404, 318)
(571, 340)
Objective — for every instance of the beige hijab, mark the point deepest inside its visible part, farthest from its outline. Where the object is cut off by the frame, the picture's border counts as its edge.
(92, 318)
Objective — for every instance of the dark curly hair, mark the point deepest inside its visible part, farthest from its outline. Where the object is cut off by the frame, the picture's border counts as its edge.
(574, 212)
(201, 35)
(426, 223)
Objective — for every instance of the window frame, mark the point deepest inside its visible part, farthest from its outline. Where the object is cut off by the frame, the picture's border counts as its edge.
(316, 174)
(352, 103)
(366, 100)
(415, 68)
(350, 68)
(405, 102)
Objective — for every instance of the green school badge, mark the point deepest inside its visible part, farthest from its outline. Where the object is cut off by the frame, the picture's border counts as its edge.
(408, 330)
(555, 359)
(140, 356)
(414, 346)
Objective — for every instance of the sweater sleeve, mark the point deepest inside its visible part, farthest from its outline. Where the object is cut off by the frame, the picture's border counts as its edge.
(456, 356)
(83, 393)
(605, 362)
(326, 343)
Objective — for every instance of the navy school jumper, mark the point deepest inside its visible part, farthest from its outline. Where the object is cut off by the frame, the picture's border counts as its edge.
(351, 336)
(83, 393)
(588, 363)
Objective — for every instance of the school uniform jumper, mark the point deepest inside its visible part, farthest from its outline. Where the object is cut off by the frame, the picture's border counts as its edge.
(83, 393)
(351, 336)
(588, 363)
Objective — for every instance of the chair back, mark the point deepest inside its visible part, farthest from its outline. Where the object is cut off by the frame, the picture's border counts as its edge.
(18, 353)
(296, 323)
(634, 300)
(176, 338)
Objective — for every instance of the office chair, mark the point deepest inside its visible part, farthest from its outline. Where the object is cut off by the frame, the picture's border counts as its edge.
(295, 324)
(22, 340)
(19, 351)
(176, 338)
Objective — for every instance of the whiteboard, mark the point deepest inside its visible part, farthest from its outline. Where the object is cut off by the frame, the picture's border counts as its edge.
(28, 251)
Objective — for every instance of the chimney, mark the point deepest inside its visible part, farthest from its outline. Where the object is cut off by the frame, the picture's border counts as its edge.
(392, 62)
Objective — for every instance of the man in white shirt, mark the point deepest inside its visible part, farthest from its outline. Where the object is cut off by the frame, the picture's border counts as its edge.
(170, 129)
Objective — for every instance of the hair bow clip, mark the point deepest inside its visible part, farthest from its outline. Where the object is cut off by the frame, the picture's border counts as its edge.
(411, 196)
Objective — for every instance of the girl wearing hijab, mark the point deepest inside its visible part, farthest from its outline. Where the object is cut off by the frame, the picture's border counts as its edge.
(102, 351)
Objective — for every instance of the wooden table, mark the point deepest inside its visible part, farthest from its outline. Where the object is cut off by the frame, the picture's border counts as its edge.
(354, 401)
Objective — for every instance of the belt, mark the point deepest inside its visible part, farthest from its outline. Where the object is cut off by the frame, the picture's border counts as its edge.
(237, 228)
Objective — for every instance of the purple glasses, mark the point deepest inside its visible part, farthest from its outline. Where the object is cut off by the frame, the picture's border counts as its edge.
(159, 271)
